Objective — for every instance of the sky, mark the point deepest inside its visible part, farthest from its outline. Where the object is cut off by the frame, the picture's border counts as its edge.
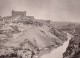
(56, 10)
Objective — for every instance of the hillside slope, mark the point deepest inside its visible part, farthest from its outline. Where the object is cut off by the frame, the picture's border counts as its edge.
(28, 39)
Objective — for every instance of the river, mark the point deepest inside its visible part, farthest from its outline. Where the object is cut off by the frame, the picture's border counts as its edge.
(58, 52)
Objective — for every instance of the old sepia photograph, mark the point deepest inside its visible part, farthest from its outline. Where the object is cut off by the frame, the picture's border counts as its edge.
(39, 28)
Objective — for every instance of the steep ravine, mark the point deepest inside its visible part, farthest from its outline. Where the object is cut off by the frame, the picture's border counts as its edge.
(73, 50)
(58, 52)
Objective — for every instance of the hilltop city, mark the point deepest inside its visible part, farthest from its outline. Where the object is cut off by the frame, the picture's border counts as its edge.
(20, 16)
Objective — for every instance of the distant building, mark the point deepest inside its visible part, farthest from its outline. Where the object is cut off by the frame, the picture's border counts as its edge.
(17, 16)
(19, 13)
(22, 15)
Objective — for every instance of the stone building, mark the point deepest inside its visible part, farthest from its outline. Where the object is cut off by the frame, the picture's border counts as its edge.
(18, 16)
(19, 13)
(22, 15)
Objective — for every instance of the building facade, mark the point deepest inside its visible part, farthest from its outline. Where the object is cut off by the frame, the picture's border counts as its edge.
(19, 13)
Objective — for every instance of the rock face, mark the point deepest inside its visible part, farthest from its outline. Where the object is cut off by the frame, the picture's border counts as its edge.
(73, 50)
(28, 38)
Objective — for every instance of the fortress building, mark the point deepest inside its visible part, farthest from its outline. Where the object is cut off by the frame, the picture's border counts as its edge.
(19, 13)
(17, 16)
(22, 14)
